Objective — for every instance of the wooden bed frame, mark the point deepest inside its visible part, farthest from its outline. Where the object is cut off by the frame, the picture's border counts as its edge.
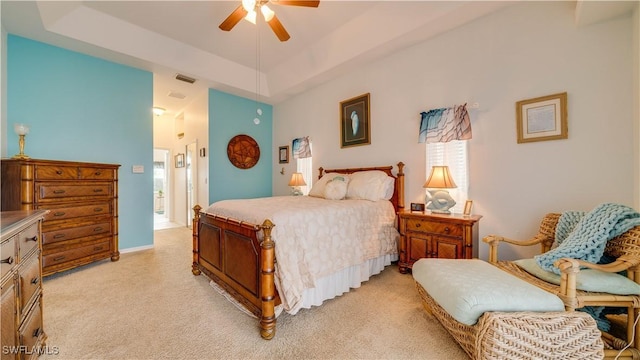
(234, 255)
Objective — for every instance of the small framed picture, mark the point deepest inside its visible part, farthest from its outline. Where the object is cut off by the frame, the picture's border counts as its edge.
(179, 160)
(417, 207)
(283, 154)
(467, 207)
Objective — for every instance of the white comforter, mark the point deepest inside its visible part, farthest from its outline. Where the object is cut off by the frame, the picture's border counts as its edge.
(316, 237)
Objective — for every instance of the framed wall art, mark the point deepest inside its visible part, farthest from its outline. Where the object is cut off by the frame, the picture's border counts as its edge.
(355, 121)
(542, 118)
(283, 154)
(179, 160)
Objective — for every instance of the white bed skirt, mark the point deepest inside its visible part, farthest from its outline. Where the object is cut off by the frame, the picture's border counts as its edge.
(341, 282)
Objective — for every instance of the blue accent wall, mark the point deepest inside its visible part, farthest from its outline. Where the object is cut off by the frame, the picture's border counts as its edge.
(231, 115)
(81, 108)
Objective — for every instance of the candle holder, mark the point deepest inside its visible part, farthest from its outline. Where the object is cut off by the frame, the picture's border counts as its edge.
(22, 130)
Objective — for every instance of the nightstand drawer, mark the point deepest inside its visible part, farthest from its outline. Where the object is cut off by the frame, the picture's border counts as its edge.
(434, 227)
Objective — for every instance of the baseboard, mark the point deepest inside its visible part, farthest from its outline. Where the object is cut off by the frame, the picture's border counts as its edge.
(134, 249)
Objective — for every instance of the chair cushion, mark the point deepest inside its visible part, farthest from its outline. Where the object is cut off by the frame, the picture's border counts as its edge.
(586, 279)
(468, 288)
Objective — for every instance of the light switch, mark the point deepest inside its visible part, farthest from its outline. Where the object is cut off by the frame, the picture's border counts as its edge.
(138, 169)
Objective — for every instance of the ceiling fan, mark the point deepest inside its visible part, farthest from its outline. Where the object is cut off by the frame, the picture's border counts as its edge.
(249, 9)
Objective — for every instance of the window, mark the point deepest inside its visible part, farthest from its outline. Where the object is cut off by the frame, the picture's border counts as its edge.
(305, 166)
(454, 155)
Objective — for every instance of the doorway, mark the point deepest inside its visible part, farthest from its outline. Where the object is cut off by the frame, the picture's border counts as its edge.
(192, 178)
(161, 195)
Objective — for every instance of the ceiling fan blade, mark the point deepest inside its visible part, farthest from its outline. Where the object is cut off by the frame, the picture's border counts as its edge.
(278, 29)
(307, 3)
(233, 19)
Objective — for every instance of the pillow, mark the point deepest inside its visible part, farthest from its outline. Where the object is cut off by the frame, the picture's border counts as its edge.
(371, 185)
(336, 189)
(586, 279)
(317, 190)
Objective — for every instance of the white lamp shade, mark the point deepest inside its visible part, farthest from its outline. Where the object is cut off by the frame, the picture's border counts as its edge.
(440, 178)
(21, 129)
(297, 180)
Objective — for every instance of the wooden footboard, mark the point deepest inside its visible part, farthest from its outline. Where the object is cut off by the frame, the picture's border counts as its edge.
(234, 255)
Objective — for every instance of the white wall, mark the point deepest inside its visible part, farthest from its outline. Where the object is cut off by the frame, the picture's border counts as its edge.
(528, 50)
(636, 102)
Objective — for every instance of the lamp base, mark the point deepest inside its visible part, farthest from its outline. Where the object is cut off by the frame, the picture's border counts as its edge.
(296, 191)
(439, 201)
(20, 157)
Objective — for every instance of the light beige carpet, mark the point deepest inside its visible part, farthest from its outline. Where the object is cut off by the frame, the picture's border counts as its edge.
(148, 305)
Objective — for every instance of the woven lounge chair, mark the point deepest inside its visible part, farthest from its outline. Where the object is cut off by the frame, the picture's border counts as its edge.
(623, 340)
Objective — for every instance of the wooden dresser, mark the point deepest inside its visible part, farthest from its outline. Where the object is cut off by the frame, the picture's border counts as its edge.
(23, 336)
(425, 235)
(82, 224)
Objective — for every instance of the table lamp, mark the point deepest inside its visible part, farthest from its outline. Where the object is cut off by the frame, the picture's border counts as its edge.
(296, 181)
(439, 200)
(22, 130)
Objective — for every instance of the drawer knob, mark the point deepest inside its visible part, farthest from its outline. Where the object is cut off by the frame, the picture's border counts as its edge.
(8, 260)
(97, 190)
(98, 248)
(59, 213)
(98, 173)
(59, 172)
(58, 258)
(418, 225)
(34, 238)
(58, 191)
(99, 228)
(99, 209)
(58, 236)
(447, 229)
(35, 280)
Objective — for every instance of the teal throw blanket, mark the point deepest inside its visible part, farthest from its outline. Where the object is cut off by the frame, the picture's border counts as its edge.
(584, 236)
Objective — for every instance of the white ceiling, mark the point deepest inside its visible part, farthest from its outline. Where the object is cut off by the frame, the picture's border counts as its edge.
(170, 37)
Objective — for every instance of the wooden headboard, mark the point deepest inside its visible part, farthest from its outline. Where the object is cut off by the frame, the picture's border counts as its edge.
(398, 192)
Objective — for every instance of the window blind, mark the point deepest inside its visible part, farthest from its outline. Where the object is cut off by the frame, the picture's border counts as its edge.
(454, 155)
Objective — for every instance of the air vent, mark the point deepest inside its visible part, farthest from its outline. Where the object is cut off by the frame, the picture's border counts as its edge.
(185, 78)
(176, 95)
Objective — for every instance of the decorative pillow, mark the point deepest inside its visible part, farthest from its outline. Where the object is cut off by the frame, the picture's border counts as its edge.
(317, 190)
(370, 185)
(336, 189)
(586, 279)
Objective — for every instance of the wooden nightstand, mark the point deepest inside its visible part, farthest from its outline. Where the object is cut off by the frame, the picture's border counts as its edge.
(426, 234)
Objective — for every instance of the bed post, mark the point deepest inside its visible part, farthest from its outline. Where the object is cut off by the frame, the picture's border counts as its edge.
(267, 288)
(194, 228)
(400, 186)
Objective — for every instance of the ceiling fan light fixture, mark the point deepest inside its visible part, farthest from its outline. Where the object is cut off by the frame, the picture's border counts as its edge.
(267, 13)
(251, 17)
(249, 5)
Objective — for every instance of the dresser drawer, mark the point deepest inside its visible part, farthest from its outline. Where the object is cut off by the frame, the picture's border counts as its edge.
(28, 240)
(77, 253)
(31, 331)
(29, 281)
(8, 255)
(70, 212)
(434, 227)
(53, 191)
(55, 172)
(50, 237)
(90, 173)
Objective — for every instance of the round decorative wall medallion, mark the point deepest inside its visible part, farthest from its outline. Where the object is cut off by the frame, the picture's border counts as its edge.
(243, 151)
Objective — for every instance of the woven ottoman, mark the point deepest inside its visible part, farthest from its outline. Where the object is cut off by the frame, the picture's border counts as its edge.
(495, 315)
